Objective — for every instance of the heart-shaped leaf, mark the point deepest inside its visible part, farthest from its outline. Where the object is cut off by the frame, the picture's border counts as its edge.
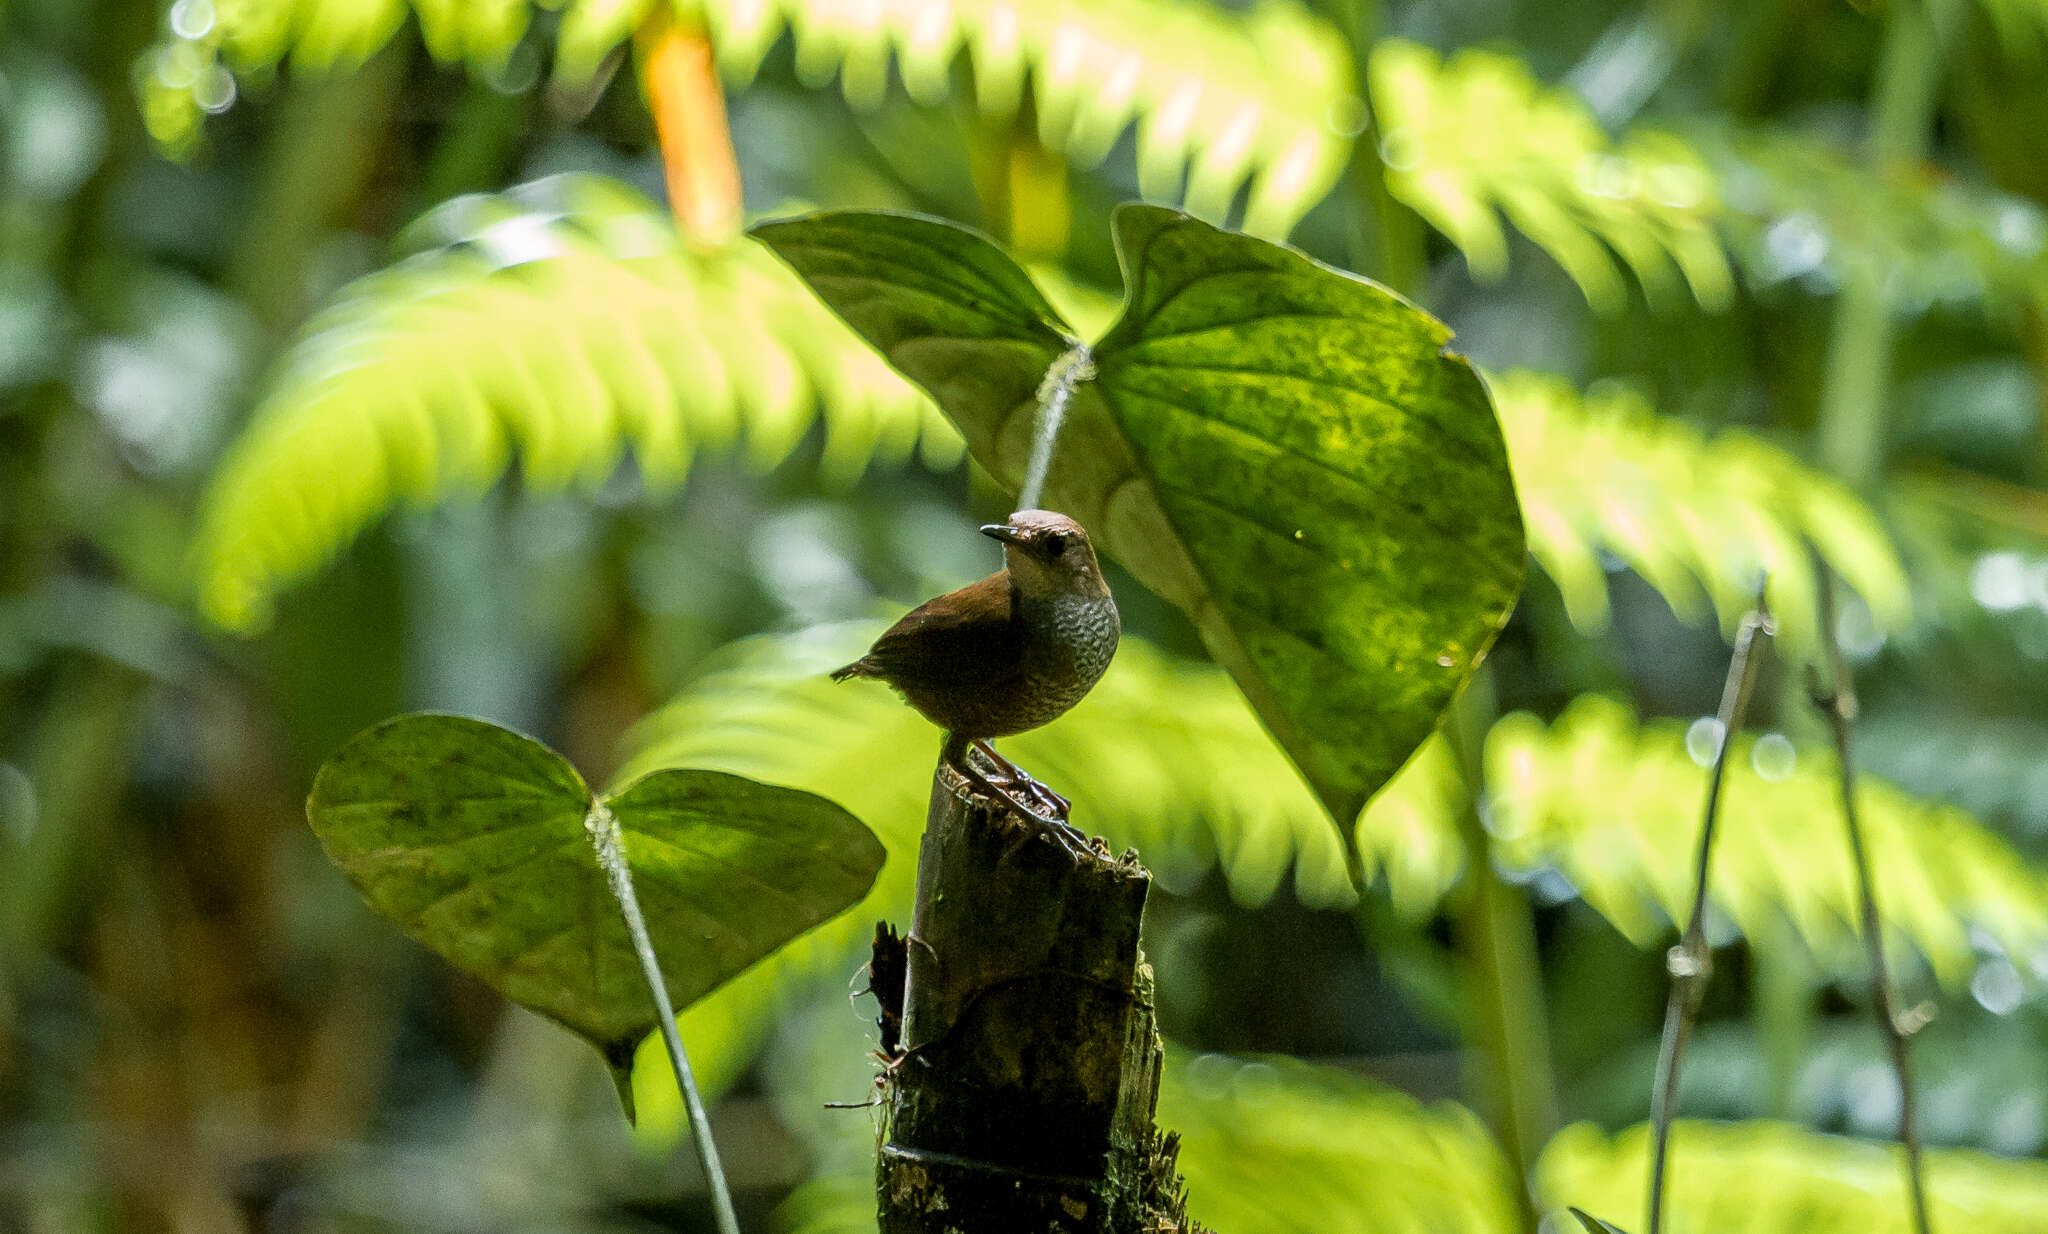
(478, 842)
(1284, 451)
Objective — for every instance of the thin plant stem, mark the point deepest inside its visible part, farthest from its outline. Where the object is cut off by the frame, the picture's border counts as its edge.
(1387, 241)
(1504, 1018)
(1691, 961)
(606, 839)
(678, 76)
(1837, 701)
(1852, 404)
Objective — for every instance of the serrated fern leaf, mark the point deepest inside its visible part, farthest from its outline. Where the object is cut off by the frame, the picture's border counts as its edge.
(1267, 1146)
(1277, 1146)
(1696, 518)
(1476, 139)
(1763, 1177)
(1219, 96)
(1163, 754)
(566, 340)
(1614, 808)
(1166, 756)
(1805, 212)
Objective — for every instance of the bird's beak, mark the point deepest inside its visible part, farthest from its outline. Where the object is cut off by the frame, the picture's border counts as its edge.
(1004, 532)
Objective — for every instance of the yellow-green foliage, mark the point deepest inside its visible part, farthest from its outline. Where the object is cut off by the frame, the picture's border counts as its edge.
(563, 325)
(1696, 518)
(1764, 1177)
(1803, 209)
(2021, 27)
(1279, 1146)
(1477, 138)
(565, 340)
(1165, 755)
(1615, 808)
(1268, 1146)
(1276, 1146)
(1265, 95)
(1221, 97)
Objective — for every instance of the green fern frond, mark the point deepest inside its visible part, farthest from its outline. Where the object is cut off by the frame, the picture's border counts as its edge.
(1802, 210)
(1764, 1177)
(1613, 807)
(1219, 97)
(1277, 1146)
(1163, 754)
(564, 326)
(1166, 756)
(1268, 1146)
(1696, 518)
(1477, 138)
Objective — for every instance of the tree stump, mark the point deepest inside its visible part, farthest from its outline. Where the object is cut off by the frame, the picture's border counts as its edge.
(1023, 1095)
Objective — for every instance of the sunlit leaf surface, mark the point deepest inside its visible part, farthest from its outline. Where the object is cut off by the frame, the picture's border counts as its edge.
(1165, 756)
(1220, 98)
(563, 327)
(1477, 139)
(1614, 807)
(1269, 1145)
(1763, 1177)
(1276, 1146)
(1696, 517)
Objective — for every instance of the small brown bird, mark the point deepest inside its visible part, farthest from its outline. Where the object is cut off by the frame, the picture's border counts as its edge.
(1008, 653)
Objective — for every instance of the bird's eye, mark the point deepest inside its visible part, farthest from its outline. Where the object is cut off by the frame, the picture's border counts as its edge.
(1055, 544)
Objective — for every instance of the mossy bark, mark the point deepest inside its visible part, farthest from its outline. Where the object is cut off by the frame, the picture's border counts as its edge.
(1023, 1093)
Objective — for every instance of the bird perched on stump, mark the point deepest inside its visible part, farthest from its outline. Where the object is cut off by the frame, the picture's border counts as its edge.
(1006, 654)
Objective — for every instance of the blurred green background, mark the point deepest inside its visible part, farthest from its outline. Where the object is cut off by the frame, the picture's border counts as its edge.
(359, 356)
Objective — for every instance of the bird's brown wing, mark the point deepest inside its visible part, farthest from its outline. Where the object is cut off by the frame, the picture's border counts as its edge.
(958, 637)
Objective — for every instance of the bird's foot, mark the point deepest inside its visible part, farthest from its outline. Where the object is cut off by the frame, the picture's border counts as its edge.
(1051, 805)
(1039, 803)
(1000, 787)
(1070, 838)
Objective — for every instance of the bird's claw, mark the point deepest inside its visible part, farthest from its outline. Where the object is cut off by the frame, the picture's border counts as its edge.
(1008, 774)
(1070, 838)
(1037, 802)
(1056, 808)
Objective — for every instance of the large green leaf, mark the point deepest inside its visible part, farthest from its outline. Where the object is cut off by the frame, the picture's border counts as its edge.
(1284, 451)
(479, 843)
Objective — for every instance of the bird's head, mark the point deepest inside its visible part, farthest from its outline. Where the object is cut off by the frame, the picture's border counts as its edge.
(1048, 553)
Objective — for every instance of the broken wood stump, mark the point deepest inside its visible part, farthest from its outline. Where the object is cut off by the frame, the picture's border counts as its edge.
(1021, 1097)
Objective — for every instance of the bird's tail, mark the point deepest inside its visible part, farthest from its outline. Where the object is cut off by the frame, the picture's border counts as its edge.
(863, 667)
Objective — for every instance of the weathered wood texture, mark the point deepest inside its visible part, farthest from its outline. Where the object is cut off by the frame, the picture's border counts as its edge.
(1024, 1098)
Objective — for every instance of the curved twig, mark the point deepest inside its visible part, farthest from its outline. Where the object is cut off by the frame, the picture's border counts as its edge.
(1691, 961)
